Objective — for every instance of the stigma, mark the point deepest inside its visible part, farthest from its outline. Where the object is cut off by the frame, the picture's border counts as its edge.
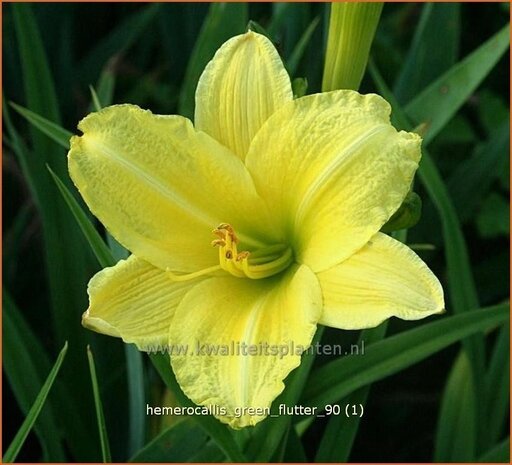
(258, 264)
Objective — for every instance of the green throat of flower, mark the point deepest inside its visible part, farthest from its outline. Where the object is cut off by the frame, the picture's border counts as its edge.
(259, 264)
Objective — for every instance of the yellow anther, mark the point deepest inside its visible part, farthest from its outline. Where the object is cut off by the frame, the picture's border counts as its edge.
(221, 234)
(225, 230)
(264, 262)
(242, 256)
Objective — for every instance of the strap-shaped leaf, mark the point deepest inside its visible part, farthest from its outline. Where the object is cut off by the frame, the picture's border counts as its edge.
(439, 30)
(96, 243)
(441, 99)
(18, 441)
(498, 387)
(336, 379)
(499, 453)
(455, 433)
(65, 271)
(179, 443)
(52, 130)
(25, 367)
(102, 428)
(340, 433)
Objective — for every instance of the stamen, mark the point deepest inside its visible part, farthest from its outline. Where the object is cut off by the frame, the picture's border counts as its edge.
(261, 263)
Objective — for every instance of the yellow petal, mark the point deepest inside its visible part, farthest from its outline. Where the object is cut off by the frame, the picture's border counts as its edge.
(223, 314)
(384, 279)
(239, 89)
(135, 301)
(333, 170)
(160, 187)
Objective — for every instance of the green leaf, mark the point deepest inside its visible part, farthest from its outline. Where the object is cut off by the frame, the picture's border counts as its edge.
(492, 110)
(436, 105)
(498, 454)
(96, 105)
(293, 451)
(39, 95)
(218, 432)
(439, 30)
(98, 246)
(458, 131)
(69, 263)
(472, 179)
(462, 288)
(338, 378)
(406, 216)
(493, 219)
(287, 25)
(137, 398)
(23, 155)
(12, 243)
(208, 454)
(224, 20)
(118, 41)
(456, 432)
(498, 388)
(117, 250)
(298, 52)
(175, 444)
(38, 83)
(339, 436)
(463, 292)
(105, 447)
(105, 88)
(52, 130)
(282, 12)
(25, 366)
(18, 441)
(268, 434)
(135, 374)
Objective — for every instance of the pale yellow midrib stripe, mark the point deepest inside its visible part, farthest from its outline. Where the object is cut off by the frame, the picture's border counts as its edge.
(309, 195)
(167, 193)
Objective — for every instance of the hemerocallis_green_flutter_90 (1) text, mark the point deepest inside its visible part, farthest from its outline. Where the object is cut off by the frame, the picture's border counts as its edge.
(291, 194)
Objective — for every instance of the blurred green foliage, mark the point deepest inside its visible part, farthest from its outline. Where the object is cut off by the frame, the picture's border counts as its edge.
(152, 55)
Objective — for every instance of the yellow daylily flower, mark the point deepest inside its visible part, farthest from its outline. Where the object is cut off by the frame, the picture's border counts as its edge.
(295, 192)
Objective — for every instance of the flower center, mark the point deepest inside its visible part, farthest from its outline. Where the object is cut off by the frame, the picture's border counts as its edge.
(259, 264)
